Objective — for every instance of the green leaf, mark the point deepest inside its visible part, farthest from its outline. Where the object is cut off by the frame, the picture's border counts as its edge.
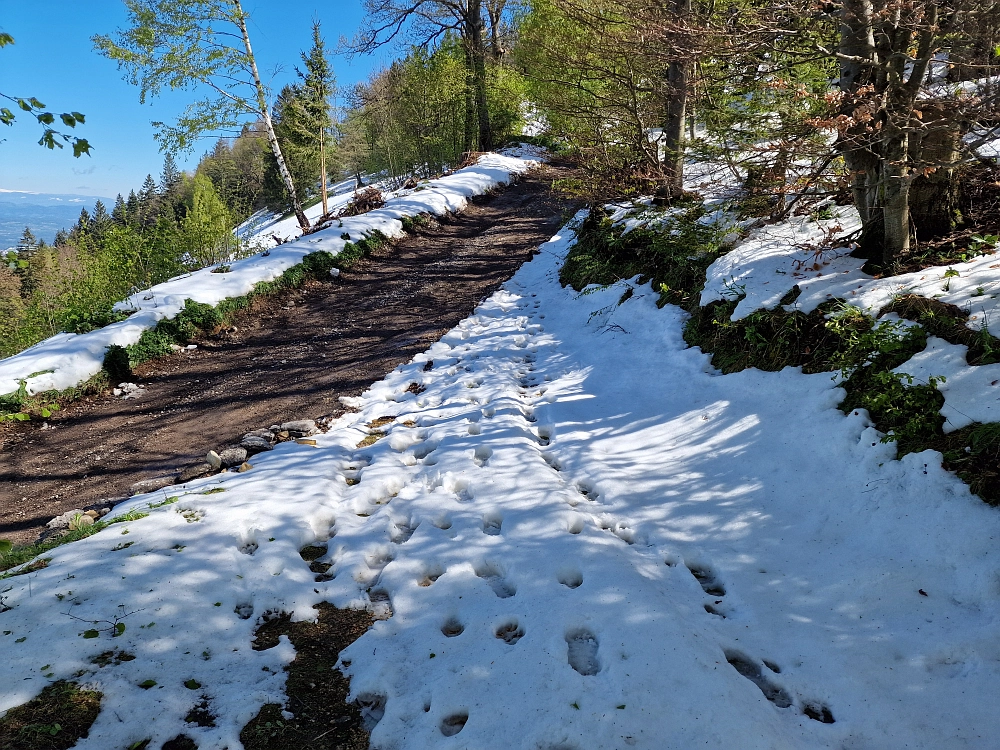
(45, 412)
(192, 684)
(119, 629)
(22, 417)
(5, 39)
(147, 684)
(68, 120)
(81, 147)
(91, 633)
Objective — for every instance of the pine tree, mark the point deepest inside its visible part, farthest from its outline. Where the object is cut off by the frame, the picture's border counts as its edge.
(27, 244)
(132, 208)
(149, 202)
(170, 177)
(100, 221)
(83, 223)
(120, 213)
(319, 84)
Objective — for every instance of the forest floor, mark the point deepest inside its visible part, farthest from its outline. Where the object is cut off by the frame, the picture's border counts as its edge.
(289, 357)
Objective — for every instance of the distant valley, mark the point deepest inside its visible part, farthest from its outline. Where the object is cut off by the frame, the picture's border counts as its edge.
(45, 213)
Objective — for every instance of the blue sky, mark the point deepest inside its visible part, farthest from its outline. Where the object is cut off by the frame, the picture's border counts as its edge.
(53, 60)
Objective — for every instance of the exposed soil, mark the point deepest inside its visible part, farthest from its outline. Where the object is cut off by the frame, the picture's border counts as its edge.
(287, 358)
(317, 692)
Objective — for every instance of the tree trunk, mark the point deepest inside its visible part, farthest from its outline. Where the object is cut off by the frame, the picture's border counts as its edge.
(476, 43)
(678, 84)
(934, 197)
(265, 114)
(322, 170)
(470, 120)
(678, 76)
(895, 199)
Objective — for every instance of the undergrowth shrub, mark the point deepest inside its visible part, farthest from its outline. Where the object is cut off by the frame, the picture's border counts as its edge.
(674, 254)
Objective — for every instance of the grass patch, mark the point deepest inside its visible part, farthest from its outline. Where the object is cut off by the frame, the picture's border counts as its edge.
(56, 719)
(17, 556)
(317, 692)
(372, 438)
(949, 323)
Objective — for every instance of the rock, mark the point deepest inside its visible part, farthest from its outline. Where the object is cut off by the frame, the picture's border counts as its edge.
(253, 444)
(62, 522)
(213, 460)
(234, 455)
(262, 433)
(80, 522)
(193, 472)
(92, 513)
(151, 485)
(244, 467)
(300, 428)
(282, 435)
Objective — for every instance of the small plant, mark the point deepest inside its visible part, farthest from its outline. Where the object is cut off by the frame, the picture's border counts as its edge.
(114, 627)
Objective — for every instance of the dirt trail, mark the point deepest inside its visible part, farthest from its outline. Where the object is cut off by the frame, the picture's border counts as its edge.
(290, 358)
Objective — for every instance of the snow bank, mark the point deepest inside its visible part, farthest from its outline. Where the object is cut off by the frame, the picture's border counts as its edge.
(66, 360)
(775, 258)
(589, 539)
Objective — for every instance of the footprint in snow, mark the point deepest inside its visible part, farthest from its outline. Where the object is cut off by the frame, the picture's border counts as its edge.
(707, 577)
(454, 723)
(496, 577)
(509, 631)
(552, 461)
(570, 576)
(452, 627)
(482, 455)
(492, 523)
(402, 530)
(581, 651)
(430, 574)
(752, 671)
(620, 529)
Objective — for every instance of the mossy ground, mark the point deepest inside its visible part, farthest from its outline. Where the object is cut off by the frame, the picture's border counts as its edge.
(56, 719)
(317, 692)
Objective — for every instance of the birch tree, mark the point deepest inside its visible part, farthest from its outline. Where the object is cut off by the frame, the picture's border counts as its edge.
(197, 44)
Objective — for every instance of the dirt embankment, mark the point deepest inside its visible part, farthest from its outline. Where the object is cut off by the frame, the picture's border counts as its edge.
(289, 358)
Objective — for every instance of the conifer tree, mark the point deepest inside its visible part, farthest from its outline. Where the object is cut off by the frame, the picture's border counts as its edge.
(149, 202)
(100, 221)
(170, 177)
(120, 213)
(27, 244)
(82, 225)
(132, 208)
(318, 87)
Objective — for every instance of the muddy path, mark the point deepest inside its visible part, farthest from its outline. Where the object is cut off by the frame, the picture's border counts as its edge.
(290, 357)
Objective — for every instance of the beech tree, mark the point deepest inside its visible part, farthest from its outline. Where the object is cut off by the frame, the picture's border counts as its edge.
(918, 79)
(186, 44)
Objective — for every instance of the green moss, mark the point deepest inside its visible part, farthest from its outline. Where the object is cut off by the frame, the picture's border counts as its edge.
(674, 255)
(56, 719)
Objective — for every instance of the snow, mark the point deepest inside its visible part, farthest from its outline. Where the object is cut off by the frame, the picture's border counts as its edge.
(971, 394)
(66, 360)
(775, 258)
(563, 477)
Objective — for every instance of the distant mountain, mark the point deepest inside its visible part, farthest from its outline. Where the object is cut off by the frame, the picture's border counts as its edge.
(45, 213)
